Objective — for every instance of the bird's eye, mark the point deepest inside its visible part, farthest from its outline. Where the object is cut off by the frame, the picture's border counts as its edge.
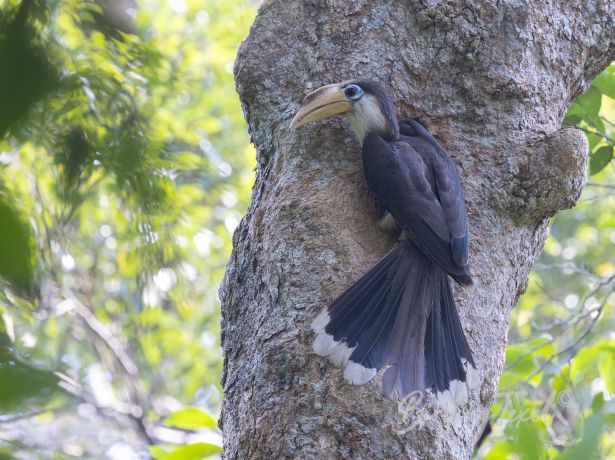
(353, 92)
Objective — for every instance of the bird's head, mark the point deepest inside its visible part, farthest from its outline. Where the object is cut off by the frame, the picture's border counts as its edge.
(365, 102)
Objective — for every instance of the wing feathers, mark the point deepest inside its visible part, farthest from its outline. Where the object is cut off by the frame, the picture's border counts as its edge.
(421, 189)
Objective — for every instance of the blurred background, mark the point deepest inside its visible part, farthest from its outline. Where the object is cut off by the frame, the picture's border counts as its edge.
(125, 166)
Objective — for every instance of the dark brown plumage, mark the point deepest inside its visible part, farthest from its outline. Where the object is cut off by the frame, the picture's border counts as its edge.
(400, 315)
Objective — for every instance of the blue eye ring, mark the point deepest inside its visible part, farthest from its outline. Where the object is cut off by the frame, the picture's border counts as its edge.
(353, 92)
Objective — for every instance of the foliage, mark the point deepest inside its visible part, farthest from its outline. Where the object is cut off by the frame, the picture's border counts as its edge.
(125, 166)
(556, 396)
(586, 114)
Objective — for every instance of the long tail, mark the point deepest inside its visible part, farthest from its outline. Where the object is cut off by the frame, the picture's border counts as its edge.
(400, 315)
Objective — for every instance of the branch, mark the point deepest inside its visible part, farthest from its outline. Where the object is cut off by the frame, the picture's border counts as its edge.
(571, 321)
(102, 332)
(74, 389)
(604, 136)
(598, 184)
(579, 339)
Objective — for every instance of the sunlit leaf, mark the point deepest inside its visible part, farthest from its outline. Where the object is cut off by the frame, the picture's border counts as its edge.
(605, 82)
(190, 419)
(584, 362)
(500, 450)
(606, 366)
(198, 451)
(188, 160)
(158, 452)
(523, 359)
(529, 444)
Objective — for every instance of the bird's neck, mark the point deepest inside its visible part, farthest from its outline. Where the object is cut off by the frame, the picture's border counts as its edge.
(370, 117)
(383, 130)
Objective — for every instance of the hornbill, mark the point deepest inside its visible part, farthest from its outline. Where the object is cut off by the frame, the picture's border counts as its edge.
(401, 314)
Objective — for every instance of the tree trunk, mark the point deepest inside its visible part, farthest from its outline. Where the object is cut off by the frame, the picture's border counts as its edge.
(492, 81)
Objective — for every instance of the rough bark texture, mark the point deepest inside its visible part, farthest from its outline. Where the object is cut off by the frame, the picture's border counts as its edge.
(492, 81)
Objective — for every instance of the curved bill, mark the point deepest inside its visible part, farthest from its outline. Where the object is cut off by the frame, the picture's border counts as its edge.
(327, 101)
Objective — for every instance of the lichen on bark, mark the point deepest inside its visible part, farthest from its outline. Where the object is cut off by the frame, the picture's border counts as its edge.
(492, 81)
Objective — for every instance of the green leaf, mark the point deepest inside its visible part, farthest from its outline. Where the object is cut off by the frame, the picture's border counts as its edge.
(27, 75)
(572, 119)
(600, 159)
(607, 370)
(197, 451)
(529, 444)
(187, 161)
(158, 452)
(21, 384)
(522, 359)
(15, 247)
(190, 419)
(598, 403)
(594, 140)
(590, 102)
(584, 363)
(92, 6)
(605, 82)
(500, 450)
(589, 444)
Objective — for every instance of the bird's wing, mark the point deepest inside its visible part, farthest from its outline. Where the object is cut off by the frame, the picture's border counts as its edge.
(405, 183)
(447, 183)
(453, 206)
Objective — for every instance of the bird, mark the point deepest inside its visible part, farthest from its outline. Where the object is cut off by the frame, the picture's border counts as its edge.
(401, 314)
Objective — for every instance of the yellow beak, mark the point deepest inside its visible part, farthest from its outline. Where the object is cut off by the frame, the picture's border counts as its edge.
(327, 101)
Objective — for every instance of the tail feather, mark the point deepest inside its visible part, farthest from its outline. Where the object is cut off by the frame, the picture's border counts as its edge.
(373, 338)
(405, 349)
(433, 351)
(349, 310)
(454, 324)
(455, 339)
(400, 315)
(358, 320)
(445, 345)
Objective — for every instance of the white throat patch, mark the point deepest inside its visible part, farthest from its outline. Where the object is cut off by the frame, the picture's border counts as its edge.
(367, 116)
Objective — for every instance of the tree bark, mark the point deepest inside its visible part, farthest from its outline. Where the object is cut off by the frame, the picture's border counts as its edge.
(492, 81)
